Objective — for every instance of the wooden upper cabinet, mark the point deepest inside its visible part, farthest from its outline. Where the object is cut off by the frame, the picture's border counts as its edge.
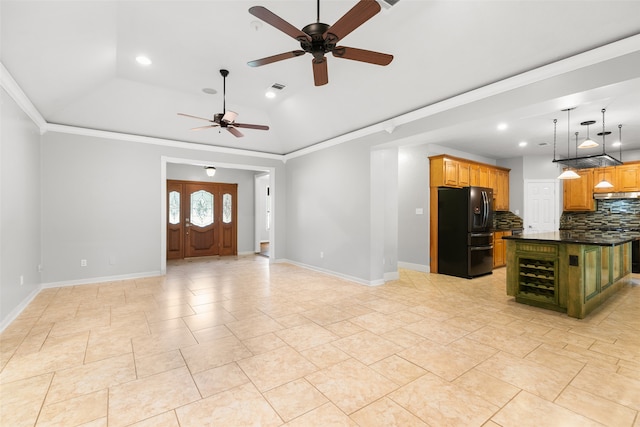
(628, 177)
(501, 191)
(464, 178)
(578, 193)
(610, 174)
(448, 172)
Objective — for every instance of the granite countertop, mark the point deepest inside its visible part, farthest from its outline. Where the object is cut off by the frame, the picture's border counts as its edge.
(598, 238)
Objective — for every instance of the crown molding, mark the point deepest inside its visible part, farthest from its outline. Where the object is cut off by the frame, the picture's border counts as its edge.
(15, 92)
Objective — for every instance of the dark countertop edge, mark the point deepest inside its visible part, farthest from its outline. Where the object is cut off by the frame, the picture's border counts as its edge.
(620, 240)
(507, 229)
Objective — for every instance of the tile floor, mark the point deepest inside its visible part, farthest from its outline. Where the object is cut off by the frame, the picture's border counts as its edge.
(236, 342)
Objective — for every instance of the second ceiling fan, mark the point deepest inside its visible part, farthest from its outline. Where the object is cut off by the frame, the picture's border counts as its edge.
(226, 119)
(318, 39)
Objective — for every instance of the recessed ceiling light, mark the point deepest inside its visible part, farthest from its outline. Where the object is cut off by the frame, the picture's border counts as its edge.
(143, 60)
(522, 143)
(209, 90)
(502, 126)
(617, 144)
(270, 94)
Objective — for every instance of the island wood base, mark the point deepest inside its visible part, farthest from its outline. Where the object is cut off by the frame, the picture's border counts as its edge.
(566, 277)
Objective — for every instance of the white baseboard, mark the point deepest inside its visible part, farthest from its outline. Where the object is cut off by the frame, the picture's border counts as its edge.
(13, 315)
(333, 273)
(105, 279)
(414, 267)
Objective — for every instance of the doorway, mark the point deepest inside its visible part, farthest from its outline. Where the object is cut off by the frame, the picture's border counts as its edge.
(201, 219)
(541, 205)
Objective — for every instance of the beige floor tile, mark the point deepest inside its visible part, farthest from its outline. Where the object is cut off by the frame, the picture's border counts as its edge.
(211, 334)
(344, 328)
(238, 407)
(65, 352)
(20, 401)
(264, 343)
(367, 347)
(327, 315)
(91, 377)
(220, 379)
(305, 336)
(553, 360)
(326, 415)
(441, 403)
(489, 388)
(350, 385)
(276, 367)
(174, 339)
(293, 399)
(612, 386)
(398, 370)
(212, 354)
(441, 360)
(138, 400)
(505, 340)
(527, 375)
(378, 323)
(208, 319)
(253, 326)
(440, 332)
(325, 355)
(386, 413)
(167, 419)
(403, 337)
(157, 363)
(596, 408)
(527, 410)
(75, 411)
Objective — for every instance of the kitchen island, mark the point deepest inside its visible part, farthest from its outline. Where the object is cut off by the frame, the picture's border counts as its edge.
(568, 271)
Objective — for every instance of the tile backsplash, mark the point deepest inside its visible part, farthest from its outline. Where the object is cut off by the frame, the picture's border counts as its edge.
(506, 220)
(609, 213)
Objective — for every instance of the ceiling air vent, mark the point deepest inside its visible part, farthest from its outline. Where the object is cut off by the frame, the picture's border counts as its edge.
(388, 3)
(277, 86)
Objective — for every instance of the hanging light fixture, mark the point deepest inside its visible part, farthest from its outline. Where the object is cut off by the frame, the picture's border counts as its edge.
(604, 183)
(588, 143)
(568, 173)
(210, 170)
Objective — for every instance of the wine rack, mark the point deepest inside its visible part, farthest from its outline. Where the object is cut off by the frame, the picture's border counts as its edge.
(537, 279)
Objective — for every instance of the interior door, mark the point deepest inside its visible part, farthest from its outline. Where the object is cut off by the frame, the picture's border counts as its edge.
(201, 223)
(541, 213)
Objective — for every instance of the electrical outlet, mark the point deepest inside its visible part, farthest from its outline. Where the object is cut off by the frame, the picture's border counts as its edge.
(321, 254)
(83, 263)
(21, 280)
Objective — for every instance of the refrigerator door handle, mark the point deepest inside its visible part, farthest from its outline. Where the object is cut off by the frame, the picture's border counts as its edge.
(488, 234)
(485, 213)
(480, 248)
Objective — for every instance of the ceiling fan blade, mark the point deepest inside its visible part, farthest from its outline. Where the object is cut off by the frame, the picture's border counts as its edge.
(195, 117)
(275, 58)
(320, 73)
(205, 127)
(358, 15)
(235, 132)
(362, 55)
(249, 126)
(274, 20)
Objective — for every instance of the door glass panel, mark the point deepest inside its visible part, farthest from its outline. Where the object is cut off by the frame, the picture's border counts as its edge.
(174, 207)
(201, 208)
(226, 208)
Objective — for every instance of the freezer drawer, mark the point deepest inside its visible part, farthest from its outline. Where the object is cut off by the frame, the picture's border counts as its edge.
(480, 260)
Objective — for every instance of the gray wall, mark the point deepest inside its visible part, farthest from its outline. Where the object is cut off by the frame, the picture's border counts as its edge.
(101, 201)
(245, 181)
(261, 208)
(20, 209)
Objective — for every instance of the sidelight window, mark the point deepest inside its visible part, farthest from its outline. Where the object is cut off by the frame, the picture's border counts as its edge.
(226, 208)
(174, 207)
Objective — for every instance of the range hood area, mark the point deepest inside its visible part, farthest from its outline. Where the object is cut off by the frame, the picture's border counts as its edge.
(626, 195)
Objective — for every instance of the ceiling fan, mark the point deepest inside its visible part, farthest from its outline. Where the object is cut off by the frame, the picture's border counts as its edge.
(318, 38)
(226, 119)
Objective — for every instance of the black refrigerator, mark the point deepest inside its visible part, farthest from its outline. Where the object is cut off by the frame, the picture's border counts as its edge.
(465, 237)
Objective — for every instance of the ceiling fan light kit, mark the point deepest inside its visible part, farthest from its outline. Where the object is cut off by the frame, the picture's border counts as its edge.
(226, 119)
(319, 39)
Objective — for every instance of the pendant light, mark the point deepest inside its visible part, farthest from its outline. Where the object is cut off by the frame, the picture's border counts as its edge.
(568, 173)
(588, 143)
(604, 183)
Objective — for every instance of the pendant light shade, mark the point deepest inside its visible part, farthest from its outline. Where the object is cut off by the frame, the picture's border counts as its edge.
(569, 174)
(604, 184)
(588, 143)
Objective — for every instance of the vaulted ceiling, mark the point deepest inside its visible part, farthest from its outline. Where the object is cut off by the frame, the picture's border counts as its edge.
(75, 61)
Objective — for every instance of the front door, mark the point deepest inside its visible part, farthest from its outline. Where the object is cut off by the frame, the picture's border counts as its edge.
(201, 220)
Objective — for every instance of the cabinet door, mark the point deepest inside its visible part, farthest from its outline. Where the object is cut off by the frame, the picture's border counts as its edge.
(499, 252)
(578, 193)
(502, 185)
(628, 177)
(609, 174)
(483, 176)
(450, 172)
(464, 174)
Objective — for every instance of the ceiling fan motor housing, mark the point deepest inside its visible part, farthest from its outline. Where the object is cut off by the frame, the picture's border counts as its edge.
(318, 45)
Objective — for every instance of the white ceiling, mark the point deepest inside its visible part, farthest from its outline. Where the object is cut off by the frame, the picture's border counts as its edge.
(75, 61)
